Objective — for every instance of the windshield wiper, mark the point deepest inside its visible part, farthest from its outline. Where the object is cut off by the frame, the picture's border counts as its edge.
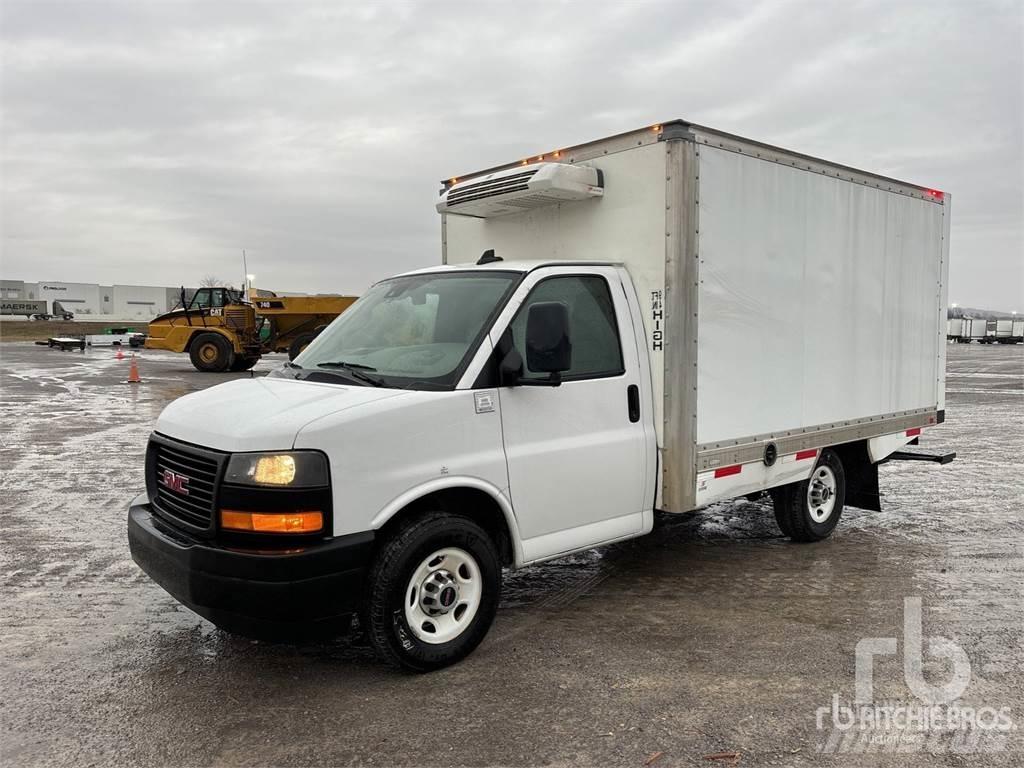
(343, 364)
(290, 364)
(355, 370)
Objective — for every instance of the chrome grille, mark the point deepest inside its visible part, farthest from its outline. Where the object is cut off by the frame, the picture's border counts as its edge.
(192, 503)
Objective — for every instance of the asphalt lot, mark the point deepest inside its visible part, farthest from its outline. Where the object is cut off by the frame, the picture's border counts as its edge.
(711, 635)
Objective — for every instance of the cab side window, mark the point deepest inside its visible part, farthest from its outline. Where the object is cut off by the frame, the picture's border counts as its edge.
(201, 298)
(596, 351)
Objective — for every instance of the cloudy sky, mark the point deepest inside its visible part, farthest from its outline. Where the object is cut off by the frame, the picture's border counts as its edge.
(150, 142)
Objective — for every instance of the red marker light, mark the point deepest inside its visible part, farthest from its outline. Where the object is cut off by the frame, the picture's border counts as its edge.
(935, 193)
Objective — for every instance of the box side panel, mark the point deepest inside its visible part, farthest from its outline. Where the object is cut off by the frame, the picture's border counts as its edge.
(940, 369)
(626, 225)
(818, 299)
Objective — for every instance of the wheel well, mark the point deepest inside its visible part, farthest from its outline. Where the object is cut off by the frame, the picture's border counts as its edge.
(191, 338)
(472, 503)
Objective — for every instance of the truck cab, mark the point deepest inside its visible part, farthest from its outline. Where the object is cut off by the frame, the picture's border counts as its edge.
(447, 426)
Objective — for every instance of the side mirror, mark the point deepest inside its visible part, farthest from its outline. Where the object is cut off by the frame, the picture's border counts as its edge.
(548, 349)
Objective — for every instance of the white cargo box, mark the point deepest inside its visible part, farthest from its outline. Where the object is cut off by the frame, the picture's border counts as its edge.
(787, 299)
(975, 327)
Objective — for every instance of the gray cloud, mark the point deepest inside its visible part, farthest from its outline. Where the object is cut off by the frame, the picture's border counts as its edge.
(151, 142)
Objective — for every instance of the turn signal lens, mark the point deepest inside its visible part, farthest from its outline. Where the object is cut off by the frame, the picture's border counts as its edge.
(271, 522)
(276, 469)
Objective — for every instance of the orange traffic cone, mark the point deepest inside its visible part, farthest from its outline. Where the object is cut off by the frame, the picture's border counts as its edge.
(120, 354)
(133, 372)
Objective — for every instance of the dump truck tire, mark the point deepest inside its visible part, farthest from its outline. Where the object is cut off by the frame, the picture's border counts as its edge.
(211, 353)
(299, 343)
(244, 363)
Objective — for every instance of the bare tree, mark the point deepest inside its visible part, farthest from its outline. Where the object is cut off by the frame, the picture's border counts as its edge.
(211, 281)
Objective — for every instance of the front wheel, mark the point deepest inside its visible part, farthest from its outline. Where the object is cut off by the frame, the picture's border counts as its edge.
(211, 353)
(434, 588)
(810, 510)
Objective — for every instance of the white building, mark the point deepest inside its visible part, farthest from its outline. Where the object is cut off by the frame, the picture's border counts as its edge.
(80, 298)
(117, 302)
(141, 301)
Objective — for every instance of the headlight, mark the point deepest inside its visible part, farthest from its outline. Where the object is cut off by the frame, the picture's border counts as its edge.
(293, 469)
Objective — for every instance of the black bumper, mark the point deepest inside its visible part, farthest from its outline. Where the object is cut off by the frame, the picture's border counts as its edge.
(265, 594)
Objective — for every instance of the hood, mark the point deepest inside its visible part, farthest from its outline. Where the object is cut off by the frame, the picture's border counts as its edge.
(262, 414)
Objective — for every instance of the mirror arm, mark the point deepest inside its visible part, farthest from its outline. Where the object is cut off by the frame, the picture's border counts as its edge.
(554, 379)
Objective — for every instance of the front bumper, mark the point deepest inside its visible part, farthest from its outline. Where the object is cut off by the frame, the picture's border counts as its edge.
(258, 593)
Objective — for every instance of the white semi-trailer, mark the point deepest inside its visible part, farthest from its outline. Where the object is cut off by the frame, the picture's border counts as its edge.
(1003, 331)
(654, 321)
(975, 329)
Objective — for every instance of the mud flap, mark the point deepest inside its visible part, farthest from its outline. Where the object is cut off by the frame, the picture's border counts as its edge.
(861, 478)
(863, 493)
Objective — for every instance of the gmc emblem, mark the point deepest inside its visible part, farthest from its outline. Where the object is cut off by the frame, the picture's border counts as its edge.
(174, 481)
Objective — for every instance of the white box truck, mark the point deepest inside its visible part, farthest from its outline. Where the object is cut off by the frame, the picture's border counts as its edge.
(654, 321)
(1000, 331)
(975, 329)
(957, 329)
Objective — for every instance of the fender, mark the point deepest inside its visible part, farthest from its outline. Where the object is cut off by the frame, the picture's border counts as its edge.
(399, 503)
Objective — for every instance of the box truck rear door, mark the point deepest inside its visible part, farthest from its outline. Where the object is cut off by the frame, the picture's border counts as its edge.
(576, 452)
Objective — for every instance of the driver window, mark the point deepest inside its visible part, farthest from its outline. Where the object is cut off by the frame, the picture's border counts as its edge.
(201, 298)
(596, 351)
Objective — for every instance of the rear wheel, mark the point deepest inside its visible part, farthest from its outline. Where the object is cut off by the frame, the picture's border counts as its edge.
(810, 510)
(211, 353)
(434, 588)
(299, 343)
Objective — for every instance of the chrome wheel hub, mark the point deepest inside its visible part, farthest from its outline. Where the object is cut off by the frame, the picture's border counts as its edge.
(439, 593)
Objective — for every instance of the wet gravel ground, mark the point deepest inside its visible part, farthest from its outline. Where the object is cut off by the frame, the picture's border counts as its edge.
(712, 635)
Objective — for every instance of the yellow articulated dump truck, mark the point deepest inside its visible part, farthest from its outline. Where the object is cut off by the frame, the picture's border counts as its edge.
(222, 331)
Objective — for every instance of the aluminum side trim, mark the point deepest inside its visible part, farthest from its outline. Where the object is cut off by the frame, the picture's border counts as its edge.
(749, 449)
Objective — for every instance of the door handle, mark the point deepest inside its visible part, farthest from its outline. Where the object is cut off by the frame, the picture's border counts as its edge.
(633, 402)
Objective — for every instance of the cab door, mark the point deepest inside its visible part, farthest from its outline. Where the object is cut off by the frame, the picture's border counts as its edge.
(578, 453)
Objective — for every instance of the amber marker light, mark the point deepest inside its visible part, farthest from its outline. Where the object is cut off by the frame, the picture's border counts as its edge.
(271, 522)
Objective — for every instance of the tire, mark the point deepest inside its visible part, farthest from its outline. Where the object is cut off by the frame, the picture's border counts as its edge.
(211, 353)
(407, 574)
(299, 343)
(244, 363)
(778, 505)
(810, 510)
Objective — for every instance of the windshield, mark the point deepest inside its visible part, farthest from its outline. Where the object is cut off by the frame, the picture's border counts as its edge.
(413, 332)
